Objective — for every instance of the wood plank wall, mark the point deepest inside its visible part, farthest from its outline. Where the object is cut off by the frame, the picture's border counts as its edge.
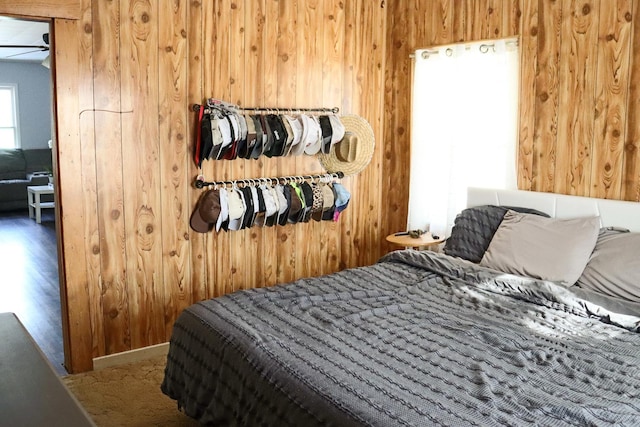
(128, 71)
(125, 139)
(580, 73)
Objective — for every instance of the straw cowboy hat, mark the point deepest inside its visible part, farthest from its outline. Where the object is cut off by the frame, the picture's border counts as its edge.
(354, 152)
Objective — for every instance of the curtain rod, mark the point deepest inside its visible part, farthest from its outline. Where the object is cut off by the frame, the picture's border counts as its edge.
(201, 183)
(483, 48)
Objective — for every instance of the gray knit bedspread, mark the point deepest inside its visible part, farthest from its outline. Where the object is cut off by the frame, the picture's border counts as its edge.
(418, 339)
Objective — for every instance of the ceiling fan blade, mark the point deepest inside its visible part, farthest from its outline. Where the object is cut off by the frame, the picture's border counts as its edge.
(24, 46)
(25, 53)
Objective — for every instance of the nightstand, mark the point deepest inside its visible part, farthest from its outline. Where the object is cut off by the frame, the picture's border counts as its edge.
(409, 242)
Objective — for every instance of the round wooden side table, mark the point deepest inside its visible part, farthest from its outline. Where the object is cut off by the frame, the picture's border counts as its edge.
(409, 242)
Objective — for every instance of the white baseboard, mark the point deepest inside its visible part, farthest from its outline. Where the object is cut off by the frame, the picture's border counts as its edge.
(130, 356)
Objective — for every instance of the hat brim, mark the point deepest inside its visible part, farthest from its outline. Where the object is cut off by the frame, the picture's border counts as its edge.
(366, 145)
(197, 223)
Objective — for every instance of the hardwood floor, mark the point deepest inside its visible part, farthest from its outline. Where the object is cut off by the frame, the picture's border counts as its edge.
(29, 285)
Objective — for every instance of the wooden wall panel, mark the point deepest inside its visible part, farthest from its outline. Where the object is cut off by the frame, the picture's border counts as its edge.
(142, 210)
(109, 176)
(612, 85)
(121, 287)
(528, 69)
(140, 68)
(66, 9)
(198, 241)
(175, 178)
(547, 95)
(578, 131)
(631, 165)
(577, 54)
(79, 309)
(286, 97)
(253, 96)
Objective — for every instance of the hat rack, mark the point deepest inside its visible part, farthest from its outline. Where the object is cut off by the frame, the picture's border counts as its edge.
(201, 183)
(216, 103)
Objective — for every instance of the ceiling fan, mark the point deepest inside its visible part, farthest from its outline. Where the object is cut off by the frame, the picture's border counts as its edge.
(35, 48)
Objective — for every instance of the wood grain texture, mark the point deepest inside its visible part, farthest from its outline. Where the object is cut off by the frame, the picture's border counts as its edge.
(130, 261)
(396, 115)
(173, 160)
(143, 197)
(79, 295)
(109, 177)
(528, 46)
(631, 162)
(547, 95)
(577, 55)
(287, 88)
(237, 241)
(195, 27)
(64, 9)
(612, 86)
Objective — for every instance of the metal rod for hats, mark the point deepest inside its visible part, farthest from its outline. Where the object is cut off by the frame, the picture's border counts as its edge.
(216, 103)
(201, 183)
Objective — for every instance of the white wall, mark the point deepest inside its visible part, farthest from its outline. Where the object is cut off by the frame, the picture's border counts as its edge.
(34, 100)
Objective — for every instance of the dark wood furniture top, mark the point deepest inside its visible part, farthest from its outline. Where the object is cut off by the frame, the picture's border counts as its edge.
(31, 393)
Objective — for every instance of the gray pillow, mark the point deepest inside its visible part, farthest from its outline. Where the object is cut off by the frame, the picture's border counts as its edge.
(474, 228)
(614, 266)
(544, 248)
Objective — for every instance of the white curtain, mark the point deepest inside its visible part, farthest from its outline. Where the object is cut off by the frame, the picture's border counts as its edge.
(464, 128)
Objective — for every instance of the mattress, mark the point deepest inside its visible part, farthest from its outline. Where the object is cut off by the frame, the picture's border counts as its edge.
(417, 339)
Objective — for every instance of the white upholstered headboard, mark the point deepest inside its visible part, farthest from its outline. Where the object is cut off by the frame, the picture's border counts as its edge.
(612, 213)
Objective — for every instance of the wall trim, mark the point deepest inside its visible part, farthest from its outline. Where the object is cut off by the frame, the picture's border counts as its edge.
(130, 356)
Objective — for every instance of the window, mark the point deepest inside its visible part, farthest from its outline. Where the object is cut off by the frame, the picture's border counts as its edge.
(464, 128)
(9, 132)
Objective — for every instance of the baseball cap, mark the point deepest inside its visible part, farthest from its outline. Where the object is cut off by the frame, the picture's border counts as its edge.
(342, 199)
(289, 141)
(223, 218)
(224, 124)
(296, 129)
(337, 129)
(328, 199)
(247, 218)
(258, 147)
(268, 139)
(279, 135)
(216, 137)
(273, 218)
(206, 143)
(206, 212)
(296, 207)
(236, 209)
(316, 207)
(326, 130)
(260, 208)
(244, 150)
(314, 138)
(284, 202)
(307, 192)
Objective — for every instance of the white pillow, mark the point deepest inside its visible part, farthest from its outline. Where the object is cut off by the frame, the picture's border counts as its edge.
(543, 248)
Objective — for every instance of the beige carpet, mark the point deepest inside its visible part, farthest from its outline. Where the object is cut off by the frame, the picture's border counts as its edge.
(127, 395)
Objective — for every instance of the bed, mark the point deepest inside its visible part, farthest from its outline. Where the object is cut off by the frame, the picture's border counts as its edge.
(423, 338)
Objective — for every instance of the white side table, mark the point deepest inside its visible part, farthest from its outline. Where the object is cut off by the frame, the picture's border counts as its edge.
(35, 205)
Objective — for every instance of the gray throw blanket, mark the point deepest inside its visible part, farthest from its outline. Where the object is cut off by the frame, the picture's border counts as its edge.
(418, 339)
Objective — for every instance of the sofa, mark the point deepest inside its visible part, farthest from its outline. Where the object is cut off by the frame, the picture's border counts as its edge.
(20, 169)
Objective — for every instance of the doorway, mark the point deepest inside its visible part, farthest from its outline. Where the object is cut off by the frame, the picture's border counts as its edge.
(28, 250)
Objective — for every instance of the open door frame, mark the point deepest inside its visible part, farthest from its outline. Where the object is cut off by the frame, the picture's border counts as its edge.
(49, 11)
